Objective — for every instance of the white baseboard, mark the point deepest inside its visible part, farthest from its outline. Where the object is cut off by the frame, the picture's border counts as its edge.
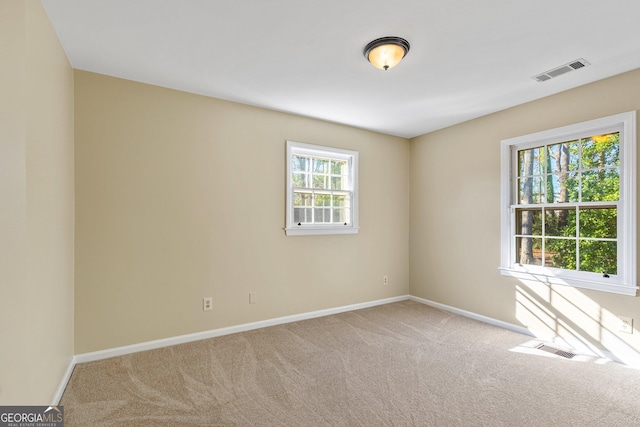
(181, 339)
(474, 316)
(63, 384)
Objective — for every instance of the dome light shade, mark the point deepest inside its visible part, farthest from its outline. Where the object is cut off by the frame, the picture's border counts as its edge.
(386, 52)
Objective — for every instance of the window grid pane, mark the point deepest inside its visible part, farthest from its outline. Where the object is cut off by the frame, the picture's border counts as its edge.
(598, 256)
(529, 250)
(561, 253)
(300, 163)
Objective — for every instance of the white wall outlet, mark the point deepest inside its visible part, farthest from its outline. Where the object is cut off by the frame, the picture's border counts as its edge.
(626, 324)
(207, 304)
(252, 297)
(385, 280)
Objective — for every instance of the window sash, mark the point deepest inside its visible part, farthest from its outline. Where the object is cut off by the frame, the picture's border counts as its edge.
(331, 208)
(546, 238)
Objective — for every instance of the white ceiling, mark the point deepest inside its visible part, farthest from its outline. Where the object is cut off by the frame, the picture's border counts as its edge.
(468, 58)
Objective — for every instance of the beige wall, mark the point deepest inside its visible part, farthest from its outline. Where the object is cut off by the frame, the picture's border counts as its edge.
(455, 221)
(36, 218)
(180, 197)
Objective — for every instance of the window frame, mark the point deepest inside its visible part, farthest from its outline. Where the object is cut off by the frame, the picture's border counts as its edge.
(625, 281)
(300, 148)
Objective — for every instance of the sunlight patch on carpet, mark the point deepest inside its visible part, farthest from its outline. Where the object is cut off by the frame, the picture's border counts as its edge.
(552, 350)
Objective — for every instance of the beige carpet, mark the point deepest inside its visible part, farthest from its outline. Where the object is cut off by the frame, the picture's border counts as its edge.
(401, 364)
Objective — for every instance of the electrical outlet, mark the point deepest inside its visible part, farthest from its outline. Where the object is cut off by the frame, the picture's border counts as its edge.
(207, 304)
(385, 280)
(626, 324)
(252, 297)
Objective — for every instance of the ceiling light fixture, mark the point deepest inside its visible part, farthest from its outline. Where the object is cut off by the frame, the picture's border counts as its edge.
(386, 52)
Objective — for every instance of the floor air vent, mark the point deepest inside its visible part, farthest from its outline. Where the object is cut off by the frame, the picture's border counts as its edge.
(562, 353)
(558, 71)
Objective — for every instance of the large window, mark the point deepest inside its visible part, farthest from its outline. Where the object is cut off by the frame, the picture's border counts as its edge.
(568, 214)
(321, 190)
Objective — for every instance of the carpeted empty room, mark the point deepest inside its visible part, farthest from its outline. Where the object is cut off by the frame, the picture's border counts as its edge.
(330, 213)
(399, 364)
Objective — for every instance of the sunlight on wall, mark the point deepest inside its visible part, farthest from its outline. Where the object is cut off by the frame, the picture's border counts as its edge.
(565, 315)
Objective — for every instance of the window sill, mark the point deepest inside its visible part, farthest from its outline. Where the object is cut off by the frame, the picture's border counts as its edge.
(320, 231)
(547, 277)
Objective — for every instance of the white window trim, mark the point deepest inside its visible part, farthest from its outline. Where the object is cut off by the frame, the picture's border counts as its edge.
(625, 282)
(292, 229)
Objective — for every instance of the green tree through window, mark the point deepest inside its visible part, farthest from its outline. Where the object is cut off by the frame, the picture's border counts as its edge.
(567, 204)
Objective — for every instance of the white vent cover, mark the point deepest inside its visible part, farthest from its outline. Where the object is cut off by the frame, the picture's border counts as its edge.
(558, 71)
(556, 351)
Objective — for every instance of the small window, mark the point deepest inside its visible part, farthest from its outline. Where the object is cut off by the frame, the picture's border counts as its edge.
(322, 190)
(568, 214)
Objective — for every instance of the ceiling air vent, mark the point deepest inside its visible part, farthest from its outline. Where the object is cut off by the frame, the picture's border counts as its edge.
(558, 71)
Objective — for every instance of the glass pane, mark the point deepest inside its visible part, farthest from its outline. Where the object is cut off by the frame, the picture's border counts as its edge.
(301, 199)
(300, 180)
(531, 161)
(601, 151)
(560, 222)
(322, 215)
(530, 190)
(599, 222)
(320, 166)
(562, 188)
(341, 216)
(340, 201)
(338, 167)
(529, 250)
(598, 257)
(560, 253)
(336, 183)
(320, 181)
(322, 200)
(562, 157)
(602, 185)
(529, 222)
(302, 215)
(300, 164)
